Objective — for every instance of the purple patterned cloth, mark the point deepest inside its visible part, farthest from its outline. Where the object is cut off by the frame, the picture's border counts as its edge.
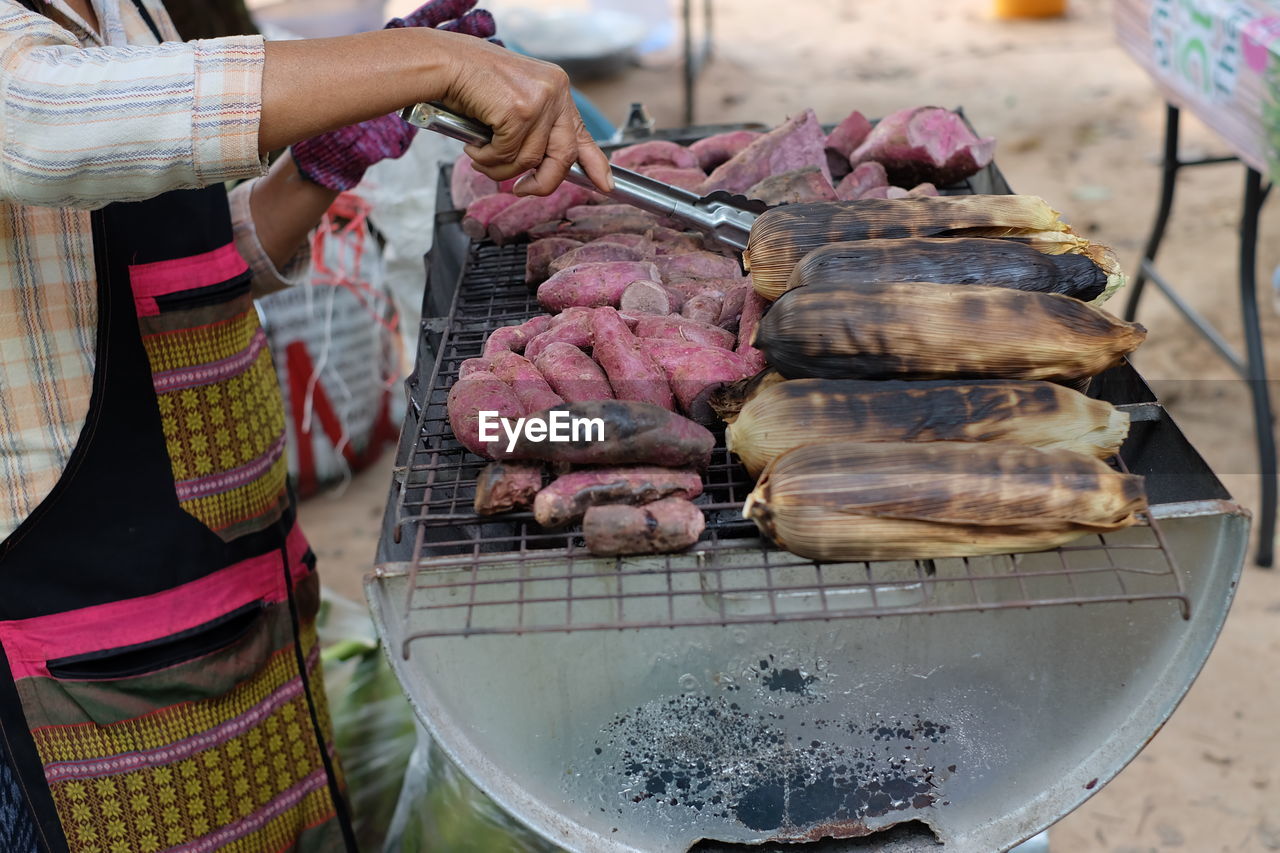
(338, 159)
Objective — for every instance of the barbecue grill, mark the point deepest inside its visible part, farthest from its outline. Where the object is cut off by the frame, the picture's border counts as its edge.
(736, 694)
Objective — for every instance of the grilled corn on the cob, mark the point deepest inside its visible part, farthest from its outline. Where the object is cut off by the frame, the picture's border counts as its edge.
(1039, 414)
(728, 400)
(781, 236)
(919, 500)
(874, 330)
(950, 260)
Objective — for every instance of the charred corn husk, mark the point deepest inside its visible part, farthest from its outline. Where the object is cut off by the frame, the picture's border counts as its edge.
(918, 500)
(913, 330)
(950, 260)
(1037, 414)
(728, 399)
(783, 235)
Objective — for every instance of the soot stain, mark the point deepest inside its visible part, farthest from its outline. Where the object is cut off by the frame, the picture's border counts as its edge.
(710, 755)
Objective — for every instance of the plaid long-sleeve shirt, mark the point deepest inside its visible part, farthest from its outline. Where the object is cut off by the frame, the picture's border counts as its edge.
(87, 119)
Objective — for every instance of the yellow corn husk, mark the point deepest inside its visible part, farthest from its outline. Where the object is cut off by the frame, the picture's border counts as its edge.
(1041, 266)
(783, 235)
(915, 330)
(728, 400)
(1037, 414)
(919, 500)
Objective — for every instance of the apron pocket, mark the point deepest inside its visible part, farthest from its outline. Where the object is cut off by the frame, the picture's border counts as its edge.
(216, 750)
(158, 654)
(216, 388)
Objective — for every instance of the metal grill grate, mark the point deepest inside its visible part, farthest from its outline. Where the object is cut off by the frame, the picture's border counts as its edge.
(506, 574)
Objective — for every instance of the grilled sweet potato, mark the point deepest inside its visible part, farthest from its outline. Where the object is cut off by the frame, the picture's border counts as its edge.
(631, 372)
(650, 297)
(634, 433)
(683, 330)
(480, 392)
(526, 380)
(711, 151)
(475, 224)
(504, 486)
(540, 255)
(671, 524)
(570, 495)
(596, 252)
(593, 285)
(654, 152)
(573, 374)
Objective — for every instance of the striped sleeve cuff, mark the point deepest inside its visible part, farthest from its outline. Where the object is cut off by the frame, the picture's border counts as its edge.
(267, 278)
(227, 107)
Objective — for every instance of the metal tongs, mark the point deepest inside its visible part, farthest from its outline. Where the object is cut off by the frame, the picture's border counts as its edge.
(724, 217)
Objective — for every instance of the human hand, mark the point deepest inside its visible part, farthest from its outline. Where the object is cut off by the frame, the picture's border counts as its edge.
(528, 104)
(338, 159)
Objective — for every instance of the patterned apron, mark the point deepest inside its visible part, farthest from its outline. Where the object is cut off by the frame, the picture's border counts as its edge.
(159, 682)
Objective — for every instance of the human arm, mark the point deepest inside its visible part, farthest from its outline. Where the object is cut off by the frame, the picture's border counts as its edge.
(125, 123)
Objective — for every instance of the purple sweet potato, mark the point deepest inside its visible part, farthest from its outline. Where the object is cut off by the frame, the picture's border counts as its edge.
(695, 372)
(714, 150)
(505, 339)
(896, 192)
(694, 386)
(514, 338)
(650, 297)
(731, 306)
(540, 255)
(875, 192)
(573, 374)
(592, 285)
(566, 498)
(631, 372)
(475, 224)
(704, 308)
(676, 328)
(867, 177)
(634, 433)
(526, 380)
(466, 184)
(925, 189)
(798, 185)
(597, 227)
(691, 287)
(534, 210)
(640, 242)
(661, 527)
(753, 308)
(849, 134)
(674, 355)
(553, 228)
(571, 326)
(582, 212)
(864, 177)
(652, 152)
(474, 365)
(668, 241)
(480, 392)
(593, 253)
(797, 143)
(696, 265)
(504, 486)
(685, 179)
(925, 144)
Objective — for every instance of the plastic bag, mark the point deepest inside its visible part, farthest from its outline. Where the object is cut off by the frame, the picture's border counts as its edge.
(440, 811)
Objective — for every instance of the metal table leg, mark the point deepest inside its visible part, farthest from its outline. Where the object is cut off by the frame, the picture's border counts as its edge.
(1169, 177)
(1252, 366)
(1256, 365)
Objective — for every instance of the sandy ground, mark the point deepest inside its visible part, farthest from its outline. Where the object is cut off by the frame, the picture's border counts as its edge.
(1079, 124)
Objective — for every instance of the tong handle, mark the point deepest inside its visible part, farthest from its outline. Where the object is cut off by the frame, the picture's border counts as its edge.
(629, 187)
